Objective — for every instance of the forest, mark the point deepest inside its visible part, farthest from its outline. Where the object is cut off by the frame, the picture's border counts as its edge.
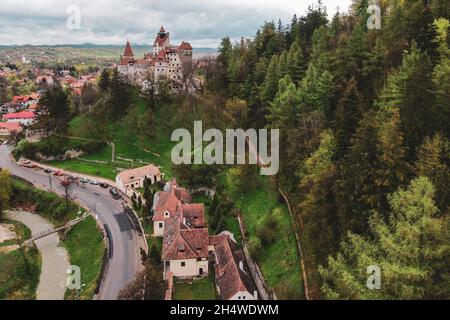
(364, 121)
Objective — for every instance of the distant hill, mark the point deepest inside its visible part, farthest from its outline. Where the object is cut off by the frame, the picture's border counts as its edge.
(69, 54)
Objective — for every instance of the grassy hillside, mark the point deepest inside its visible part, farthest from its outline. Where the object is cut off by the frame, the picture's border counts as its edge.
(279, 260)
(130, 144)
(16, 281)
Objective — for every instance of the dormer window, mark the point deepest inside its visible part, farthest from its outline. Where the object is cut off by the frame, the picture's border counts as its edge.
(166, 214)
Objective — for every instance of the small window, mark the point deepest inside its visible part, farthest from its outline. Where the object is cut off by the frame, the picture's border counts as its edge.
(239, 298)
(183, 264)
(160, 225)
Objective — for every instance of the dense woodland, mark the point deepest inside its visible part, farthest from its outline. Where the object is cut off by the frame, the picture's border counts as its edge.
(365, 121)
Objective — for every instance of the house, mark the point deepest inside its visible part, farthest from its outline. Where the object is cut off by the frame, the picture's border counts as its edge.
(25, 118)
(44, 80)
(166, 203)
(134, 178)
(184, 249)
(8, 128)
(233, 278)
(165, 61)
(8, 107)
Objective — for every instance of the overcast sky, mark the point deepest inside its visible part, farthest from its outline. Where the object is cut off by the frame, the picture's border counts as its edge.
(202, 22)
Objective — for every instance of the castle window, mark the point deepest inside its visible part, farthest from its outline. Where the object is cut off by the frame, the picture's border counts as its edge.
(183, 264)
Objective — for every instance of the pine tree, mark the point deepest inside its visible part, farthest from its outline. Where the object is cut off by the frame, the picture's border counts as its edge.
(103, 82)
(119, 95)
(349, 112)
(317, 206)
(270, 86)
(433, 161)
(412, 251)
(410, 90)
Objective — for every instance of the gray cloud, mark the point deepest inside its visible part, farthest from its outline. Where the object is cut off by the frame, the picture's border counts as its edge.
(202, 22)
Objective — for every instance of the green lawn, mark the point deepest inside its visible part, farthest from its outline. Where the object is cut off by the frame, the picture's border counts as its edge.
(279, 261)
(200, 289)
(129, 144)
(85, 246)
(16, 281)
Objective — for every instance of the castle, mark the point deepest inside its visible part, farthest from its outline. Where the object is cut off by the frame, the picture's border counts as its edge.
(165, 61)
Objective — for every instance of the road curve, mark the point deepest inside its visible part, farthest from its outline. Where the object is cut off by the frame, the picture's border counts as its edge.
(125, 261)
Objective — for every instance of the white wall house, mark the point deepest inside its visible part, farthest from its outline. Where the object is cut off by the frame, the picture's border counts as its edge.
(134, 178)
(25, 118)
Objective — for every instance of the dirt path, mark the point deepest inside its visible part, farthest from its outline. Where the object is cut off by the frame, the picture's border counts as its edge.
(55, 260)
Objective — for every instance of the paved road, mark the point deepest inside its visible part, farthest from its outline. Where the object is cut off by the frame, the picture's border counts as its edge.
(55, 261)
(125, 261)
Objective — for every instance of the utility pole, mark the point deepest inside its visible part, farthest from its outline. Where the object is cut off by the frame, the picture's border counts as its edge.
(50, 180)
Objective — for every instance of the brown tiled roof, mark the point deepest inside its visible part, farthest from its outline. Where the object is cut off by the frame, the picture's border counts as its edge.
(128, 51)
(180, 242)
(231, 270)
(167, 201)
(183, 195)
(193, 214)
(128, 176)
(185, 46)
(161, 56)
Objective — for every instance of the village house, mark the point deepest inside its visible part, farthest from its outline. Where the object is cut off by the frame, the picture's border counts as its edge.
(188, 251)
(185, 249)
(233, 278)
(25, 118)
(44, 80)
(165, 61)
(134, 178)
(10, 128)
(166, 203)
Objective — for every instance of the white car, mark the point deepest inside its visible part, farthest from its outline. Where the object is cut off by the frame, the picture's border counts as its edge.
(94, 182)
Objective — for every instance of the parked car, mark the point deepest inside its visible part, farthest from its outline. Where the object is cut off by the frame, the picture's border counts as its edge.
(48, 170)
(59, 173)
(94, 182)
(84, 180)
(103, 185)
(114, 193)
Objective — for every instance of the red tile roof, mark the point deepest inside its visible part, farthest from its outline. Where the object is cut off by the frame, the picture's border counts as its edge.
(231, 271)
(11, 126)
(193, 214)
(20, 115)
(128, 51)
(170, 200)
(180, 242)
(161, 56)
(185, 46)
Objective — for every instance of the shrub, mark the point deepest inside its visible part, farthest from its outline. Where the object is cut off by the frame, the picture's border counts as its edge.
(255, 247)
(266, 234)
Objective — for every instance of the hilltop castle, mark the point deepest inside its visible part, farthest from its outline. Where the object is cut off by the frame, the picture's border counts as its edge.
(164, 61)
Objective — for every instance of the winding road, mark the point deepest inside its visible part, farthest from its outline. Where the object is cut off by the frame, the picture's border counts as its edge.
(125, 260)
